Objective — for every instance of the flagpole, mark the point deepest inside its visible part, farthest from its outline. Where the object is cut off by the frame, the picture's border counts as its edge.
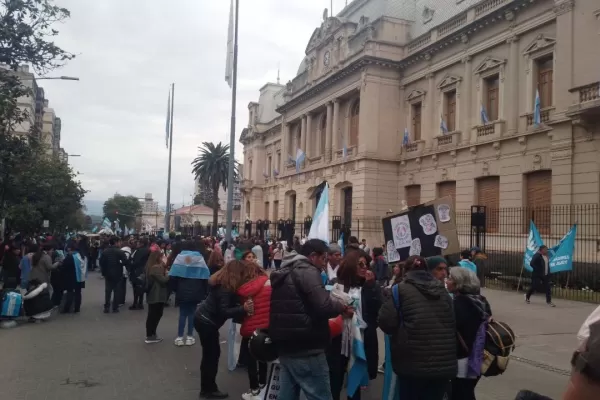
(168, 207)
(230, 175)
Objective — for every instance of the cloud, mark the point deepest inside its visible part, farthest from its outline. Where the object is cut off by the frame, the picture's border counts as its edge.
(128, 52)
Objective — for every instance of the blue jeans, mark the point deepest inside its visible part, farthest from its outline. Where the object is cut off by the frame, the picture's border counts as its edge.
(309, 374)
(186, 314)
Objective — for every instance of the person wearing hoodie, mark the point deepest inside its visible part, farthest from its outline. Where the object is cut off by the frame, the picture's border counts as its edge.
(139, 258)
(465, 261)
(470, 310)
(256, 290)
(42, 265)
(423, 316)
(299, 322)
(221, 304)
(189, 281)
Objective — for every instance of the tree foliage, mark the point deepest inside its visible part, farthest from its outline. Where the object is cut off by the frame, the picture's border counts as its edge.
(123, 208)
(211, 169)
(206, 197)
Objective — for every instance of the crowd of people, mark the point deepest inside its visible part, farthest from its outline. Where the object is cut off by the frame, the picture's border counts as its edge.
(308, 297)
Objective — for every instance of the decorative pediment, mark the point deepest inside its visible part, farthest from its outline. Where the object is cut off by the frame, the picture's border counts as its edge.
(415, 94)
(244, 135)
(489, 63)
(321, 34)
(540, 42)
(449, 80)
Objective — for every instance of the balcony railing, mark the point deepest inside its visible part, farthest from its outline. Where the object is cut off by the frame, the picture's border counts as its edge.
(412, 147)
(589, 92)
(486, 130)
(544, 117)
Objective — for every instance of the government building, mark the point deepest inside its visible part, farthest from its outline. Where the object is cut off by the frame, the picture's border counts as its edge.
(409, 100)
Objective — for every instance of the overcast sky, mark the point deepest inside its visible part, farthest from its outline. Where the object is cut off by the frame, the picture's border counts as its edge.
(129, 51)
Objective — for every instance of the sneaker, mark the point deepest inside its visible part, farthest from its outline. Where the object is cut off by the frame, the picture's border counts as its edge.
(179, 341)
(551, 304)
(133, 307)
(213, 395)
(190, 341)
(115, 311)
(106, 311)
(153, 339)
(251, 395)
(381, 369)
(262, 386)
(527, 299)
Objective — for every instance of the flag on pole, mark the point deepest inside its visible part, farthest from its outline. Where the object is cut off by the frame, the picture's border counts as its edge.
(537, 109)
(229, 59)
(168, 124)
(95, 229)
(405, 139)
(320, 224)
(275, 172)
(299, 159)
(484, 116)
(344, 149)
(106, 223)
(443, 125)
(265, 174)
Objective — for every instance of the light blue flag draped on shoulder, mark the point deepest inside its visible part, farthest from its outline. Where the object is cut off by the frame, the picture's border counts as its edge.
(80, 267)
(390, 380)
(191, 265)
(340, 243)
(358, 371)
(320, 223)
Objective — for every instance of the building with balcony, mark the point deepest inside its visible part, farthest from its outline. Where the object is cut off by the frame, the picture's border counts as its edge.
(63, 156)
(460, 79)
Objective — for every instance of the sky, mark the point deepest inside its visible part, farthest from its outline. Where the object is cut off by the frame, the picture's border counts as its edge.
(129, 52)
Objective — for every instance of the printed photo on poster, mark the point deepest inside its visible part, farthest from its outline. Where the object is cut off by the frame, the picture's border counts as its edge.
(401, 231)
(428, 223)
(392, 253)
(415, 247)
(441, 242)
(443, 211)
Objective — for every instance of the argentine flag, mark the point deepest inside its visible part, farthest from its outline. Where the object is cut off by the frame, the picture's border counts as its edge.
(189, 264)
(443, 126)
(320, 224)
(406, 139)
(340, 243)
(484, 116)
(106, 223)
(299, 159)
(390, 380)
(537, 109)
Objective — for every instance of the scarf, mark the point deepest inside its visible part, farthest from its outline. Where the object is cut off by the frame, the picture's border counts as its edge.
(332, 273)
(80, 267)
(189, 264)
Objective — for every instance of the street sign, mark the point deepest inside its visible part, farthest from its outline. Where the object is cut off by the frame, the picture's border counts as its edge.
(46, 223)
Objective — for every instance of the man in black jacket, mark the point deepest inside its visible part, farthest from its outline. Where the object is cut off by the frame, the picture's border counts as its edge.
(541, 275)
(136, 269)
(112, 261)
(299, 322)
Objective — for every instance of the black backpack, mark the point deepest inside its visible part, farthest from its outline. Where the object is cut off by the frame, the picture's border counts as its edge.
(499, 343)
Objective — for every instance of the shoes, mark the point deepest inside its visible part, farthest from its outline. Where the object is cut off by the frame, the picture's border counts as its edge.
(251, 395)
(179, 341)
(116, 310)
(153, 339)
(551, 304)
(106, 310)
(190, 341)
(262, 386)
(381, 369)
(527, 299)
(133, 307)
(213, 395)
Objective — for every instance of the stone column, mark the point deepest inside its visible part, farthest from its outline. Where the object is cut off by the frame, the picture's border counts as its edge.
(302, 143)
(307, 139)
(285, 146)
(466, 106)
(335, 128)
(328, 129)
(564, 49)
(430, 119)
(512, 85)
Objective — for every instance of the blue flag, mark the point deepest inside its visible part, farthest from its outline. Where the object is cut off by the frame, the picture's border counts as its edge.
(534, 241)
(320, 224)
(560, 256)
(537, 109)
(484, 116)
(300, 155)
(405, 139)
(390, 380)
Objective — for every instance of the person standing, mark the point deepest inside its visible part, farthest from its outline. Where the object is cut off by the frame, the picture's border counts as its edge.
(334, 257)
(299, 322)
(540, 263)
(137, 267)
(73, 275)
(11, 274)
(158, 292)
(465, 261)
(112, 261)
(277, 255)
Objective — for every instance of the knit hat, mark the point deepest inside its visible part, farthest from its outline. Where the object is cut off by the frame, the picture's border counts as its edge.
(433, 262)
(334, 248)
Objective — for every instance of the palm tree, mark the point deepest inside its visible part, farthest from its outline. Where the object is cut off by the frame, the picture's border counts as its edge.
(211, 169)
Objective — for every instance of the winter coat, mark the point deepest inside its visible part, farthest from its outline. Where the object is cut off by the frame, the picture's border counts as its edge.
(138, 264)
(381, 269)
(539, 265)
(112, 262)
(259, 289)
(423, 341)
(42, 270)
(469, 311)
(158, 281)
(188, 290)
(300, 307)
(219, 306)
(68, 276)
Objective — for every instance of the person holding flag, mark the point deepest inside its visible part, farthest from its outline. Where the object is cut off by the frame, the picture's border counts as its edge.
(540, 263)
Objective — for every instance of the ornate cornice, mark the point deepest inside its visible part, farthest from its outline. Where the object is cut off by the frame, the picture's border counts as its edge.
(564, 7)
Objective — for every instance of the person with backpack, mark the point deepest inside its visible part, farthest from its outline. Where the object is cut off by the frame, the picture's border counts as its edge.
(419, 318)
(472, 312)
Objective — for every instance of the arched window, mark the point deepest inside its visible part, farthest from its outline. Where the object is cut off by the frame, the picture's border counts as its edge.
(323, 134)
(354, 120)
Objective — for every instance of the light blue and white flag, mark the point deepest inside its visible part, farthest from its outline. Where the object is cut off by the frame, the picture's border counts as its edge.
(106, 223)
(80, 266)
(534, 242)
(358, 371)
(484, 116)
(443, 126)
(95, 229)
(234, 342)
(11, 306)
(132, 231)
(117, 227)
(191, 265)
(126, 231)
(562, 254)
(300, 156)
(390, 379)
(537, 109)
(320, 223)
(406, 138)
(340, 243)
(275, 172)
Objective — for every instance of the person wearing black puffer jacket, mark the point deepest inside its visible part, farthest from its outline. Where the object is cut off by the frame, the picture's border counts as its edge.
(139, 258)
(112, 262)
(423, 339)
(221, 304)
(299, 322)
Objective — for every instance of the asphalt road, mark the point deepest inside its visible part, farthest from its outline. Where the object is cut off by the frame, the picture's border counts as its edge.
(95, 356)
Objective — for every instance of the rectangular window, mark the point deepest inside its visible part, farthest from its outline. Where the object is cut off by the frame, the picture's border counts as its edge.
(450, 115)
(416, 121)
(492, 89)
(275, 210)
(278, 165)
(250, 169)
(545, 82)
(266, 210)
(269, 166)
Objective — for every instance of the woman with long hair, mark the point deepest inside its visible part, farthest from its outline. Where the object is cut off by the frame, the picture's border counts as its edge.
(257, 290)
(221, 304)
(156, 287)
(355, 279)
(42, 265)
(215, 262)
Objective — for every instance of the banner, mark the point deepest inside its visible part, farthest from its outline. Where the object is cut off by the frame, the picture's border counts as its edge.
(560, 256)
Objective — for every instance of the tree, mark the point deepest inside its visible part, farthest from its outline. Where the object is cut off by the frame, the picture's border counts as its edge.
(123, 208)
(206, 197)
(211, 168)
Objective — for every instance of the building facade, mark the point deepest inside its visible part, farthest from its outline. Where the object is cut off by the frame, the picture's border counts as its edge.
(237, 195)
(431, 99)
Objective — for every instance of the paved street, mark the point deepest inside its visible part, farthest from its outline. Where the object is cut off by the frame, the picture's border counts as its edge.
(94, 356)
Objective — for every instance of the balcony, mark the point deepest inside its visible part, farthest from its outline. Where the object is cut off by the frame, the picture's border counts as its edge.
(246, 184)
(586, 101)
(450, 139)
(545, 118)
(339, 154)
(413, 149)
(491, 131)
